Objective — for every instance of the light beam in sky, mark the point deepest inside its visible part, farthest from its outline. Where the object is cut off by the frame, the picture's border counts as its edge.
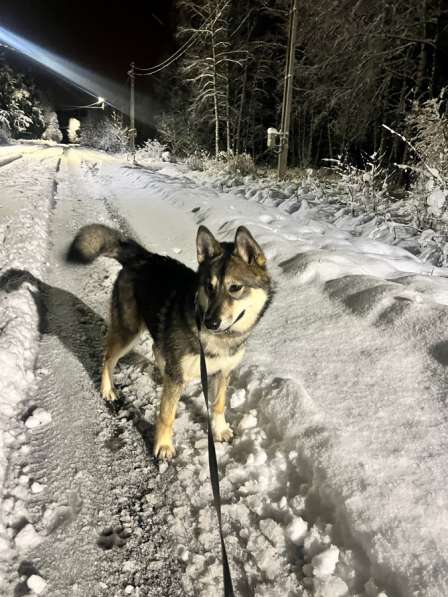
(82, 78)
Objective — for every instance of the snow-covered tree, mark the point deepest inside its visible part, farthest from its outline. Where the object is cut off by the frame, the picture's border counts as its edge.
(207, 65)
(73, 130)
(104, 131)
(52, 131)
(20, 109)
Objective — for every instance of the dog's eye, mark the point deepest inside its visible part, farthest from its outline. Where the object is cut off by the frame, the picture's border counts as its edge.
(234, 288)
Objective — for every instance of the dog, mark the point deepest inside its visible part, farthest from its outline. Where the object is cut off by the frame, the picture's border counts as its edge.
(220, 303)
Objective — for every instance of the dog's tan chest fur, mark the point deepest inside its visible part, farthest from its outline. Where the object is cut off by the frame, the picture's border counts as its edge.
(190, 364)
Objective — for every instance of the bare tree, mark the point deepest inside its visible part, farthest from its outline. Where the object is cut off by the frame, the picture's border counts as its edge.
(207, 65)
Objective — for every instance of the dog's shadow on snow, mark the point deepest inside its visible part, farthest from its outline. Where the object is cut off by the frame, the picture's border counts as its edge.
(81, 331)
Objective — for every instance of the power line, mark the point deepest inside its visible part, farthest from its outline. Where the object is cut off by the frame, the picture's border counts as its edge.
(98, 105)
(170, 58)
(167, 64)
(146, 72)
(180, 51)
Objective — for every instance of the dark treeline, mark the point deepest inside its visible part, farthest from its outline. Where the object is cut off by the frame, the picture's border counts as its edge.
(359, 64)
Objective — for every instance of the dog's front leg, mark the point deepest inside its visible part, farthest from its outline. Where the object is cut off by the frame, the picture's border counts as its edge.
(163, 444)
(222, 431)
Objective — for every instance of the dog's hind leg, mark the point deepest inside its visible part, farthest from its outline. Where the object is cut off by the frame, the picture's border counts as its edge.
(117, 346)
(163, 442)
(122, 334)
(159, 365)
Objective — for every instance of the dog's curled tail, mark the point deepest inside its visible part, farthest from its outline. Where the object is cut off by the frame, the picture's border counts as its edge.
(94, 240)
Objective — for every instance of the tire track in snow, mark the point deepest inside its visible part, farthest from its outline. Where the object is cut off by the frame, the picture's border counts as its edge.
(25, 211)
(13, 158)
(10, 159)
(54, 189)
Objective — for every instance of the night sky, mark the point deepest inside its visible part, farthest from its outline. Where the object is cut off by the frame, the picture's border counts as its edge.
(101, 36)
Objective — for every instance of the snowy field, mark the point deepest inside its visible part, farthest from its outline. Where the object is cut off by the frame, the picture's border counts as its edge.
(335, 483)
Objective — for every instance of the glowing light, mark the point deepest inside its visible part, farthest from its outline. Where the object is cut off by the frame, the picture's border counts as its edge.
(88, 81)
(84, 79)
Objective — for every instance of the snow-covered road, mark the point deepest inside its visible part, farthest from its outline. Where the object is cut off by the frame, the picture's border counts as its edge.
(335, 483)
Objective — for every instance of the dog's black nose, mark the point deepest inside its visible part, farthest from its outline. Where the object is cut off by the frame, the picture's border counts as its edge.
(212, 323)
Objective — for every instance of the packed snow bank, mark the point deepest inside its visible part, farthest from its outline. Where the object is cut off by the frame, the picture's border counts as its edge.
(336, 479)
(24, 218)
(392, 221)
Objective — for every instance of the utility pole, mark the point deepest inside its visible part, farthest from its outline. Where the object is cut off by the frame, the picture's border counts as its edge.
(132, 130)
(287, 91)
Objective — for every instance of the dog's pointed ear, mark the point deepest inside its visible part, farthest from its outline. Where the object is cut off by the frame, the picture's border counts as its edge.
(206, 244)
(248, 248)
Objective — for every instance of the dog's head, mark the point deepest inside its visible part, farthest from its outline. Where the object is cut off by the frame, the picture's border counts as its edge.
(234, 284)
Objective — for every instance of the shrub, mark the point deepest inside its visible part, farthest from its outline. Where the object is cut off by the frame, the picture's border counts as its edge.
(151, 149)
(428, 140)
(366, 187)
(179, 132)
(239, 163)
(197, 160)
(429, 137)
(229, 163)
(105, 132)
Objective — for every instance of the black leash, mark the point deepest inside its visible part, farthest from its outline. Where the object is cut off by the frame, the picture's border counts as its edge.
(213, 467)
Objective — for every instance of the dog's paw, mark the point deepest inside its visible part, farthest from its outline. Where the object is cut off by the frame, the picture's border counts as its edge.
(222, 432)
(224, 436)
(108, 394)
(165, 451)
(163, 441)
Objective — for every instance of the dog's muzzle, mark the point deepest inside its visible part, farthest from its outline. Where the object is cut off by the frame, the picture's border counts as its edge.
(212, 324)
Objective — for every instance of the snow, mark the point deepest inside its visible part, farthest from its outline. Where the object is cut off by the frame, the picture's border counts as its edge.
(38, 418)
(338, 360)
(324, 563)
(296, 530)
(335, 482)
(24, 213)
(36, 487)
(436, 202)
(37, 584)
(27, 539)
